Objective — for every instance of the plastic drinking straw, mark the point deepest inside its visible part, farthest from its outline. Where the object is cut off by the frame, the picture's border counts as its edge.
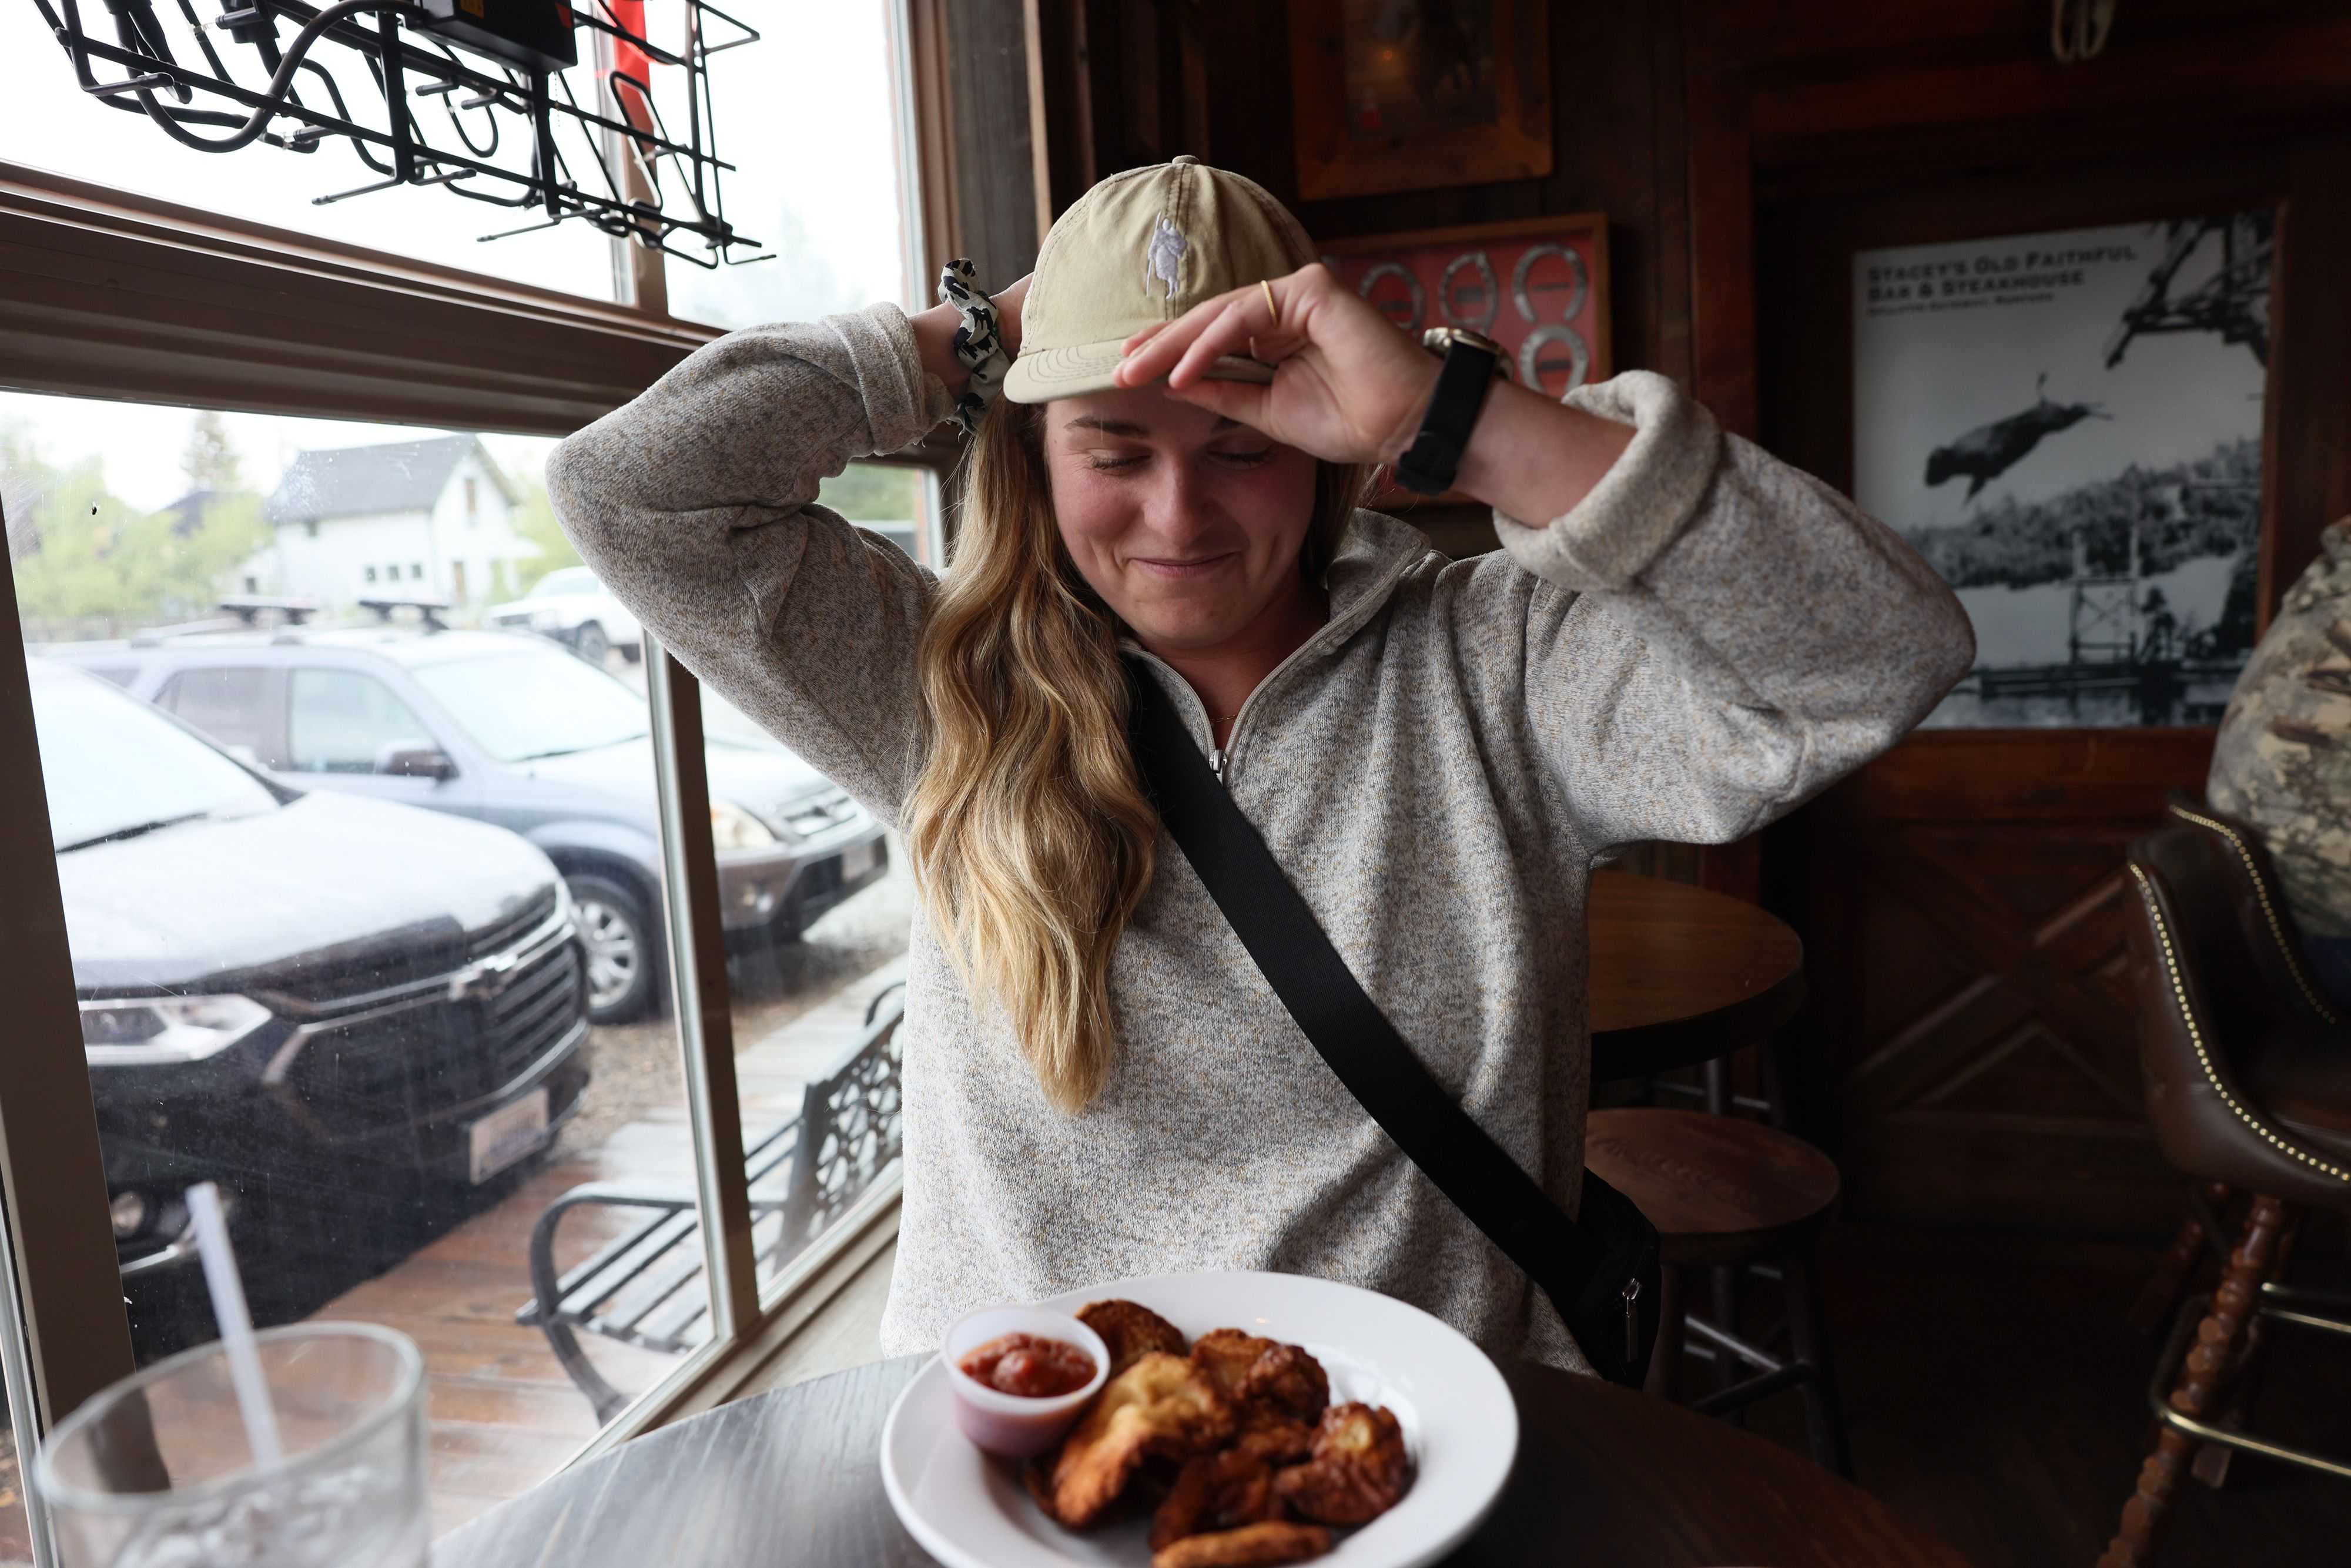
(236, 1325)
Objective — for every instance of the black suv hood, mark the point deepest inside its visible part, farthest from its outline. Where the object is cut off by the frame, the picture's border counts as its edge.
(328, 883)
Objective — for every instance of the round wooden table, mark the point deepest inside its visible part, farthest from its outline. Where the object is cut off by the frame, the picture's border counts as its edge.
(1681, 976)
(794, 1478)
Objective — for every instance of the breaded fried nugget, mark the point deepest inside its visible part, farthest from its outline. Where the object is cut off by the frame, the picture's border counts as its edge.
(1357, 1471)
(1277, 1439)
(1251, 1546)
(1216, 1491)
(1288, 1380)
(1129, 1329)
(1228, 1356)
(1250, 1371)
(1158, 1406)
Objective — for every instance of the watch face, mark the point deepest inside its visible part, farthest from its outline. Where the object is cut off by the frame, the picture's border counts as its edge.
(1466, 293)
(1395, 293)
(1553, 359)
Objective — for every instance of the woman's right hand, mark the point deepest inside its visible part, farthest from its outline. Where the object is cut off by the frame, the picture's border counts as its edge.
(934, 331)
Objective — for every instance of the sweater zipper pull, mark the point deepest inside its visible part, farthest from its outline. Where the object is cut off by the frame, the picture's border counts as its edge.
(1216, 761)
(1632, 1294)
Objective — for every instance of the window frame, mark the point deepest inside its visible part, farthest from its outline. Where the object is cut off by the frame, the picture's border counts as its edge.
(110, 295)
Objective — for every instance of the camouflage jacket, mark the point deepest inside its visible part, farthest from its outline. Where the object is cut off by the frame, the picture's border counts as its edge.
(2282, 762)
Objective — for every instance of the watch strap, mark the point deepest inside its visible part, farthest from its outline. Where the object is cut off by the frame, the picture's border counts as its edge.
(1429, 464)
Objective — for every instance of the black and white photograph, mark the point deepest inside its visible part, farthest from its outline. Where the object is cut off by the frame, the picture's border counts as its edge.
(2068, 427)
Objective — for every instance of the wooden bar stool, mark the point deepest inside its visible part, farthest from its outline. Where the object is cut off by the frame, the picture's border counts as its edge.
(1726, 1193)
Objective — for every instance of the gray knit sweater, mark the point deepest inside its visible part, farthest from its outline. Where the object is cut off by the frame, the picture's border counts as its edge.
(1705, 640)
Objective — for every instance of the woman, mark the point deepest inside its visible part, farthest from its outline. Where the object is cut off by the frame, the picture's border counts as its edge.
(1688, 640)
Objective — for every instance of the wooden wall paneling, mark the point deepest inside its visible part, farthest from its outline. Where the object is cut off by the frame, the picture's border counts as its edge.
(1722, 348)
(993, 169)
(2309, 453)
(1064, 45)
(1968, 949)
(1963, 898)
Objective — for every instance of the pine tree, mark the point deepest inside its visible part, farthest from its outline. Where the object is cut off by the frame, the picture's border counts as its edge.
(211, 461)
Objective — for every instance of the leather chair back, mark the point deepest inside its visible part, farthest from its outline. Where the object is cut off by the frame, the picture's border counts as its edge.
(2219, 982)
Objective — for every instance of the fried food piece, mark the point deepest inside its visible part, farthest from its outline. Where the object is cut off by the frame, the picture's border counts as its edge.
(1160, 1405)
(1251, 1546)
(1357, 1471)
(1290, 1381)
(1130, 1329)
(1228, 1356)
(1216, 1491)
(1276, 1439)
(1250, 1371)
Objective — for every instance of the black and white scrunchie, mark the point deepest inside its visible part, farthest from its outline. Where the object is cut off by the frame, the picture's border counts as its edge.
(979, 343)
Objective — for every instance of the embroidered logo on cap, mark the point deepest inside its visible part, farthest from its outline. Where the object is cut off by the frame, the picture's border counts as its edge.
(1162, 261)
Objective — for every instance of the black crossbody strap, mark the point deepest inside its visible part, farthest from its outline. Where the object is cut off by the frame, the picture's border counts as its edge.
(1582, 1276)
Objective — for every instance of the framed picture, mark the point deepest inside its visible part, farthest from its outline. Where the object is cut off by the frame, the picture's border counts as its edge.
(1538, 288)
(1402, 95)
(2069, 426)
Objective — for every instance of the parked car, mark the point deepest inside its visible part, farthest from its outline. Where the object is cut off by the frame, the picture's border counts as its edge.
(571, 605)
(506, 729)
(317, 1001)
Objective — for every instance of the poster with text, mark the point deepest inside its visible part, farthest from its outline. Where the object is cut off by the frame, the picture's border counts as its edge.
(2068, 427)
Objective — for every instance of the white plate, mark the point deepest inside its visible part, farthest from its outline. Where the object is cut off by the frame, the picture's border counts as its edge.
(970, 1511)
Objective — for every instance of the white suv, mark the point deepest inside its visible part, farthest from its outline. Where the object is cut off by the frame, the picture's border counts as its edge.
(570, 605)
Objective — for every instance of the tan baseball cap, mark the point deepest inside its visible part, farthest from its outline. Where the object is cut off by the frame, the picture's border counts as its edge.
(1142, 246)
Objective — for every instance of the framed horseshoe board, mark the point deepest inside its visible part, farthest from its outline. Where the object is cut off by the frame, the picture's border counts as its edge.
(1539, 287)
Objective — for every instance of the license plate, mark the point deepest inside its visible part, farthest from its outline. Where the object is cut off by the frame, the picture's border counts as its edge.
(856, 861)
(508, 1134)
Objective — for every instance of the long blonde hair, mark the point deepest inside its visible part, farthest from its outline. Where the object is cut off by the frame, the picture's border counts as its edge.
(1030, 835)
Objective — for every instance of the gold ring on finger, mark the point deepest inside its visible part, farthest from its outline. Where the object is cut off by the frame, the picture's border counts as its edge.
(1272, 311)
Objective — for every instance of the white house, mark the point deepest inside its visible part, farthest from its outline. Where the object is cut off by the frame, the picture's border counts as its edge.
(417, 518)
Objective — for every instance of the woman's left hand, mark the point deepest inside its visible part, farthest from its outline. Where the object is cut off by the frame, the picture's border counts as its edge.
(1347, 386)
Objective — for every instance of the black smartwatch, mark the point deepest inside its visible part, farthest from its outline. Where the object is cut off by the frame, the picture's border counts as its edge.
(1472, 361)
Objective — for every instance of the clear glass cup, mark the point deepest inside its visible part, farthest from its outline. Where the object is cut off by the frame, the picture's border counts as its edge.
(156, 1471)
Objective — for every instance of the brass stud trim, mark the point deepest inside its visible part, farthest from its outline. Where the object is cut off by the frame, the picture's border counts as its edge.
(2203, 1057)
(2269, 911)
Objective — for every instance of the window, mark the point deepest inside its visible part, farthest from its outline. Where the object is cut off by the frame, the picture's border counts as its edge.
(817, 908)
(837, 223)
(232, 705)
(473, 501)
(340, 722)
(396, 1166)
(268, 184)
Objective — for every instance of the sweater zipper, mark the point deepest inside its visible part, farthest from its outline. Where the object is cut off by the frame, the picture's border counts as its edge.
(1218, 758)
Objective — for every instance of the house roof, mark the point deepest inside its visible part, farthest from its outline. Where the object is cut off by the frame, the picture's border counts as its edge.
(366, 481)
(188, 511)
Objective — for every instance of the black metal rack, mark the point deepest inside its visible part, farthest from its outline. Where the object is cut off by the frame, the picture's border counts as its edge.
(669, 183)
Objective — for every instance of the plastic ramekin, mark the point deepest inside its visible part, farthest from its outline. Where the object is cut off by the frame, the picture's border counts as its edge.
(1012, 1424)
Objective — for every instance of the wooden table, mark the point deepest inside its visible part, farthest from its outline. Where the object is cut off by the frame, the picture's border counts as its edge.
(794, 1478)
(1680, 975)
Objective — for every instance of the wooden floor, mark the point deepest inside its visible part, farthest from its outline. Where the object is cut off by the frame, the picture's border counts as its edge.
(1995, 1396)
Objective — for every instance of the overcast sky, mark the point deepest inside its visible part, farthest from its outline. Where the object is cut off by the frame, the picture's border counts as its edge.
(1922, 377)
(805, 113)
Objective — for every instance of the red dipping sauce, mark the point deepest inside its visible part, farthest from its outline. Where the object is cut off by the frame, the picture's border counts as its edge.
(1029, 1365)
